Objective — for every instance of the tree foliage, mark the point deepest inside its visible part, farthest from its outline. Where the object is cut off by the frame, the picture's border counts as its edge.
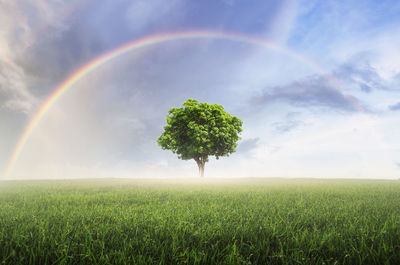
(199, 130)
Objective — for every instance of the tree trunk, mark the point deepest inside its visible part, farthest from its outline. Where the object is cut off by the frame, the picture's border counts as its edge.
(200, 163)
(201, 169)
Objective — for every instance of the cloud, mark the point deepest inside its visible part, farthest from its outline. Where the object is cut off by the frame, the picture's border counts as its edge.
(286, 126)
(14, 94)
(395, 107)
(361, 83)
(248, 145)
(361, 75)
(312, 91)
(23, 24)
(396, 81)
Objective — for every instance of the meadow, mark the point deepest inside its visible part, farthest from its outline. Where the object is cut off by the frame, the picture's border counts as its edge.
(235, 221)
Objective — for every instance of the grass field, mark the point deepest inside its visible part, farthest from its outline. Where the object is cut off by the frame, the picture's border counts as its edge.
(243, 221)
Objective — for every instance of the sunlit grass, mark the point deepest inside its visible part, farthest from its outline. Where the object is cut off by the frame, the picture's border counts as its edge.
(243, 221)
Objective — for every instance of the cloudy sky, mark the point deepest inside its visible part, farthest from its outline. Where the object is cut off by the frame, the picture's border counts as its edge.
(325, 103)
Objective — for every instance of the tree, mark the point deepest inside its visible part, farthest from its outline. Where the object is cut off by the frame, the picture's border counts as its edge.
(199, 130)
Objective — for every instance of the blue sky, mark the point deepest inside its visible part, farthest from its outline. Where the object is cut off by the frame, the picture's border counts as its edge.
(297, 122)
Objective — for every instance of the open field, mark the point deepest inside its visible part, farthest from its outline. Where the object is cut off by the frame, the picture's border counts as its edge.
(242, 221)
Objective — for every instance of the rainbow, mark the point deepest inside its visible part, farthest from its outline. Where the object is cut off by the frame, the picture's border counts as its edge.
(141, 43)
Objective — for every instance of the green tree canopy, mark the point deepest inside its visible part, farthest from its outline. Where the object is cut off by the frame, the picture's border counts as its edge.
(199, 130)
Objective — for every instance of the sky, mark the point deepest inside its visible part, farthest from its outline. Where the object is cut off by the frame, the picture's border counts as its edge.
(320, 98)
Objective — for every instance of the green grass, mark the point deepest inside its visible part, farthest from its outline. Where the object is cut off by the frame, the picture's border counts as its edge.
(254, 221)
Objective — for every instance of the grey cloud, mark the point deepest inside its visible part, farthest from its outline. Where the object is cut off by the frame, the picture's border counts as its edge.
(358, 73)
(22, 26)
(395, 107)
(396, 82)
(14, 94)
(248, 145)
(309, 92)
(398, 164)
(95, 28)
(286, 126)
(397, 77)
(317, 91)
(365, 88)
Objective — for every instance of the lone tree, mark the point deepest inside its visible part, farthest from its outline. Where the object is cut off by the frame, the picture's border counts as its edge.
(199, 130)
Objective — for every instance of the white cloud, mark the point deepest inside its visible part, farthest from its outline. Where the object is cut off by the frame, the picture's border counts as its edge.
(333, 146)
